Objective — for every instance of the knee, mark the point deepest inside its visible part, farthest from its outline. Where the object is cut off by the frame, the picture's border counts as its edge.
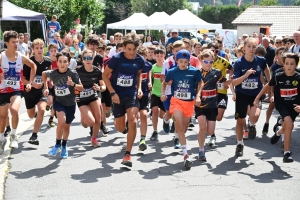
(13, 112)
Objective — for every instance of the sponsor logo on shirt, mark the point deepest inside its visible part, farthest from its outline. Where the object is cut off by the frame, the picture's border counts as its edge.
(288, 82)
(295, 83)
(258, 68)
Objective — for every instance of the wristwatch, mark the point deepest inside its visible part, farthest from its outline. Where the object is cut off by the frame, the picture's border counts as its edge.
(112, 94)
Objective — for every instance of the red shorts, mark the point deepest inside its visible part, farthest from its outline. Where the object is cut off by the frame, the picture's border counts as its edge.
(186, 107)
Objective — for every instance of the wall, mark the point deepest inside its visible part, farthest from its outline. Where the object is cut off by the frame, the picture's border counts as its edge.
(247, 29)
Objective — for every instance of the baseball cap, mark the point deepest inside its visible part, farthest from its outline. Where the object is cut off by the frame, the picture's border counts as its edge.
(183, 54)
(174, 31)
(155, 43)
(245, 35)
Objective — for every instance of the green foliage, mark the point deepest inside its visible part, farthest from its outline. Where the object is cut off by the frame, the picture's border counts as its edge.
(148, 7)
(66, 10)
(268, 3)
(297, 3)
(221, 14)
(244, 2)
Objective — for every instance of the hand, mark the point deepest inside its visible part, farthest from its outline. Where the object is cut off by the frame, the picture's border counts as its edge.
(36, 85)
(140, 94)
(297, 108)
(28, 87)
(197, 101)
(149, 86)
(70, 82)
(225, 85)
(115, 99)
(46, 92)
(1, 77)
(163, 97)
(256, 103)
(272, 99)
(234, 97)
(250, 71)
(96, 87)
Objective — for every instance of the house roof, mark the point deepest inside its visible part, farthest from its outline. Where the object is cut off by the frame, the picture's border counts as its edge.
(284, 19)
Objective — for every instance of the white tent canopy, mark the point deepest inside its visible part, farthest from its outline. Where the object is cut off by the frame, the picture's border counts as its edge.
(184, 19)
(12, 12)
(137, 21)
(181, 19)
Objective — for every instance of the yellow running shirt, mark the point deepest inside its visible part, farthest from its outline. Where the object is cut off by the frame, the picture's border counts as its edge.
(222, 64)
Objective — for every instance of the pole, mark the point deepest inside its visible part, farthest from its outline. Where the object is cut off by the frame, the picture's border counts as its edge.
(1, 11)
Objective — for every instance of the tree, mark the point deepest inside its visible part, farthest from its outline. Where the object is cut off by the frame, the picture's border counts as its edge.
(148, 7)
(268, 3)
(89, 11)
(297, 3)
(221, 14)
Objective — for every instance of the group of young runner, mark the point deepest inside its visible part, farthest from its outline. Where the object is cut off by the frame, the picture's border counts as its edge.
(179, 87)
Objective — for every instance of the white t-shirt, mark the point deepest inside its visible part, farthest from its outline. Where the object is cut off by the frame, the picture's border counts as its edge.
(73, 64)
(147, 44)
(112, 52)
(167, 65)
(23, 48)
(295, 48)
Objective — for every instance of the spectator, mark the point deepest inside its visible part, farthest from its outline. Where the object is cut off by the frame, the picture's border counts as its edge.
(245, 36)
(111, 41)
(22, 47)
(53, 27)
(28, 42)
(2, 43)
(296, 47)
(57, 41)
(104, 37)
(81, 44)
(75, 48)
(239, 42)
(163, 40)
(174, 37)
(149, 41)
(205, 39)
(278, 42)
(270, 55)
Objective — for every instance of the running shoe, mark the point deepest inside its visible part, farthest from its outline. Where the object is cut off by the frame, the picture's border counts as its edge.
(95, 143)
(246, 135)
(104, 129)
(191, 125)
(239, 151)
(287, 158)
(187, 162)
(154, 136)
(252, 131)
(54, 150)
(34, 140)
(274, 139)
(83, 124)
(265, 129)
(2, 145)
(212, 141)
(64, 152)
(172, 130)
(201, 156)
(127, 161)
(47, 108)
(51, 123)
(278, 123)
(142, 145)
(166, 127)
(177, 143)
(13, 142)
(7, 131)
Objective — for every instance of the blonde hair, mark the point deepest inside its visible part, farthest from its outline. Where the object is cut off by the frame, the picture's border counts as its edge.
(85, 51)
(37, 41)
(206, 53)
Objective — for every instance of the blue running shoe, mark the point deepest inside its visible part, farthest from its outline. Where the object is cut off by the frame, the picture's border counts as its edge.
(64, 152)
(202, 156)
(166, 127)
(54, 150)
(154, 136)
(177, 144)
(172, 130)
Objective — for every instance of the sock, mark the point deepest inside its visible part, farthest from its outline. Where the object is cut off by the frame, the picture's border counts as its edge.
(166, 121)
(127, 153)
(286, 152)
(279, 122)
(240, 142)
(213, 135)
(201, 149)
(184, 150)
(282, 138)
(58, 142)
(64, 143)
(277, 133)
(13, 131)
(176, 135)
(34, 135)
(101, 126)
(143, 137)
(2, 137)
(155, 131)
(251, 124)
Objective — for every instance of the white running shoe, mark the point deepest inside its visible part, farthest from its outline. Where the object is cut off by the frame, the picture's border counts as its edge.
(13, 142)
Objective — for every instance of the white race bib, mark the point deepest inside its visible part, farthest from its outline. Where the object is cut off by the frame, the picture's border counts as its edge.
(13, 83)
(125, 80)
(250, 84)
(87, 92)
(61, 91)
(182, 95)
(220, 86)
(38, 80)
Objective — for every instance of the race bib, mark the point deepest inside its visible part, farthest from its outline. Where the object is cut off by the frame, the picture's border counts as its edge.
(38, 80)
(184, 95)
(250, 83)
(157, 76)
(13, 82)
(288, 92)
(220, 86)
(125, 80)
(87, 92)
(144, 76)
(62, 90)
(209, 93)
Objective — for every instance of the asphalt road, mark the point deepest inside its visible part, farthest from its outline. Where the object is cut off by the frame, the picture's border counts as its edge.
(157, 173)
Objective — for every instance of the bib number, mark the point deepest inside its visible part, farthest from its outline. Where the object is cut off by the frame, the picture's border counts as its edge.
(220, 86)
(87, 93)
(209, 93)
(250, 84)
(182, 95)
(38, 80)
(62, 91)
(288, 92)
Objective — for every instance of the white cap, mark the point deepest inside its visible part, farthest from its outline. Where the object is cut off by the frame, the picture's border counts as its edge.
(245, 35)
(174, 31)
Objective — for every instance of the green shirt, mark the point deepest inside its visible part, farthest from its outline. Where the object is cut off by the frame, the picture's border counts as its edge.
(156, 74)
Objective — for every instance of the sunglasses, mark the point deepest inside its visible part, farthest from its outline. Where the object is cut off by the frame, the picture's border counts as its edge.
(215, 50)
(87, 58)
(278, 42)
(208, 62)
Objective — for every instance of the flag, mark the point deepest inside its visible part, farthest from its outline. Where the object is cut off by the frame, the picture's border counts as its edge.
(239, 3)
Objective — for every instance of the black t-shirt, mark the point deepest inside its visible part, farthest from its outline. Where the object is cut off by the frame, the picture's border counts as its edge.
(43, 66)
(152, 61)
(270, 55)
(286, 90)
(98, 60)
(88, 79)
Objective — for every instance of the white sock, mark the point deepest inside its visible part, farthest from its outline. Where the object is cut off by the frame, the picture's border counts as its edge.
(277, 133)
(166, 121)
(184, 150)
(13, 131)
(1, 137)
(201, 149)
(286, 152)
(240, 142)
(282, 138)
(251, 124)
(176, 135)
